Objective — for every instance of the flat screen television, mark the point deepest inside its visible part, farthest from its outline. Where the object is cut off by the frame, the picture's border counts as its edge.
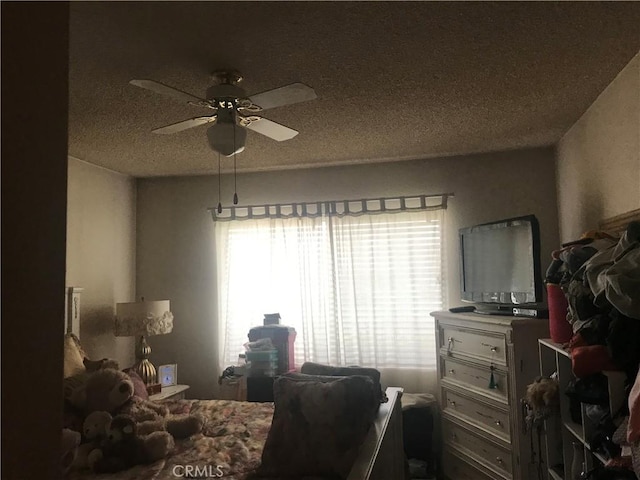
(500, 265)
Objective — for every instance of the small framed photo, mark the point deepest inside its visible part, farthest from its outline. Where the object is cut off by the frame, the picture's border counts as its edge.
(168, 374)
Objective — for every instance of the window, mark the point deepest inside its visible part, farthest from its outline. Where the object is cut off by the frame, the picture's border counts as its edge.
(358, 289)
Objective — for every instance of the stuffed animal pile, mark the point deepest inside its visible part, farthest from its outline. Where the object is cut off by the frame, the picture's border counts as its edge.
(121, 430)
(114, 444)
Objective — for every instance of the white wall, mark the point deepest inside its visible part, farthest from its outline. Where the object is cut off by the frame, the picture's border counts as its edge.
(599, 158)
(101, 226)
(175, 231)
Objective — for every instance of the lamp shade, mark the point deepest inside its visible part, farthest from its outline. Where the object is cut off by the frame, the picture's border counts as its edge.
(143, 318)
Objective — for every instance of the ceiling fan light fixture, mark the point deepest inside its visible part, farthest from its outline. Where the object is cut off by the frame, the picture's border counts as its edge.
(222, 139)
(234, 111)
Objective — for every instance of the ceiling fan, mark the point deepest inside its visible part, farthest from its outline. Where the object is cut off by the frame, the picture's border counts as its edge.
(234, 111)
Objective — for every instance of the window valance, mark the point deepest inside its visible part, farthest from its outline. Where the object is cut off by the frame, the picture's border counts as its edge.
(333, 208)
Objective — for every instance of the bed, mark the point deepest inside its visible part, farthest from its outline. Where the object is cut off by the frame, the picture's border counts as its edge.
(233, 438)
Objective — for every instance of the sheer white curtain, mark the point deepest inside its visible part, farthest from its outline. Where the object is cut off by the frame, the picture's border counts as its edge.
(357, 289)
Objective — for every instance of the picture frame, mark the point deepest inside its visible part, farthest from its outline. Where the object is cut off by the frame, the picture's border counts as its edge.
(168, 374)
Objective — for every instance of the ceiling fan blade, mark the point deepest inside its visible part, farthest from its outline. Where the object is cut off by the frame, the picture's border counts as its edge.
(185, 124)
(272, 129)
(294, 93)
(169, 91)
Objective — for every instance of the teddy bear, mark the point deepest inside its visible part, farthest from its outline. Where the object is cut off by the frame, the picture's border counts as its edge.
(93, 365)
(94, 432)
(111, 391)
(123, 447)
(542, 397)
(69, 448)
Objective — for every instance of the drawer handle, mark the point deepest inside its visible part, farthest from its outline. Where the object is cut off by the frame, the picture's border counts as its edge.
(452, 403)
(493, 348)
(499, 460)
(489, 417)
(452, 371)
(450, 341)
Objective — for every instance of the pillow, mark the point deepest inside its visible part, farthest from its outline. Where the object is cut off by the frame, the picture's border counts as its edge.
(73, 356)
(72, 416)
(312, 368)
(318, 425)
(73, 382)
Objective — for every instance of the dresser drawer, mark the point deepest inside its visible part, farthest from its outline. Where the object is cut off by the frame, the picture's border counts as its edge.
(455, 468)
(475, 343)
(490, 454)
(476, 376)
(476, 412)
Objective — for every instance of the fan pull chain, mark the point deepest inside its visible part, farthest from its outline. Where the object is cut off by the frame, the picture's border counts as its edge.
(219, 186)
(235, 175)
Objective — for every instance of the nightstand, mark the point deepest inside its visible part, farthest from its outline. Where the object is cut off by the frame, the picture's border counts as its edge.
(174, 392)
(233, 388)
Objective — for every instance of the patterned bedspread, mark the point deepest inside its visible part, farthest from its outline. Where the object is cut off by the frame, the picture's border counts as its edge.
(229, 447)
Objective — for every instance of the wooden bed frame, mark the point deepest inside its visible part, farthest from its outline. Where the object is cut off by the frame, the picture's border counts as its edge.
(381, 456)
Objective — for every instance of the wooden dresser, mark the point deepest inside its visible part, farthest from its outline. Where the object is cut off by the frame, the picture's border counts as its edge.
(482, 428)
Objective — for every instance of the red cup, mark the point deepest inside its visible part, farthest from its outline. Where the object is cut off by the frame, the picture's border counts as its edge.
(560, 329)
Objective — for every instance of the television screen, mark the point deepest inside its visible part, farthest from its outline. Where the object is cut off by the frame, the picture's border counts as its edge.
(500, 263)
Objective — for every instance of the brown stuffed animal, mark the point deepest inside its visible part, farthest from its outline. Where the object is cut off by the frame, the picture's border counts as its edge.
(543, 392)
(111, 391)
(123, 448)
(542, 396)
(93, 365)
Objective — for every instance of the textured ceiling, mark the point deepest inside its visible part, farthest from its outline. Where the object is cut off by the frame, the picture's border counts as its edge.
(395, 80)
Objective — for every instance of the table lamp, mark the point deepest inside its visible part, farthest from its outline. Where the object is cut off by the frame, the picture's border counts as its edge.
(142, 319)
